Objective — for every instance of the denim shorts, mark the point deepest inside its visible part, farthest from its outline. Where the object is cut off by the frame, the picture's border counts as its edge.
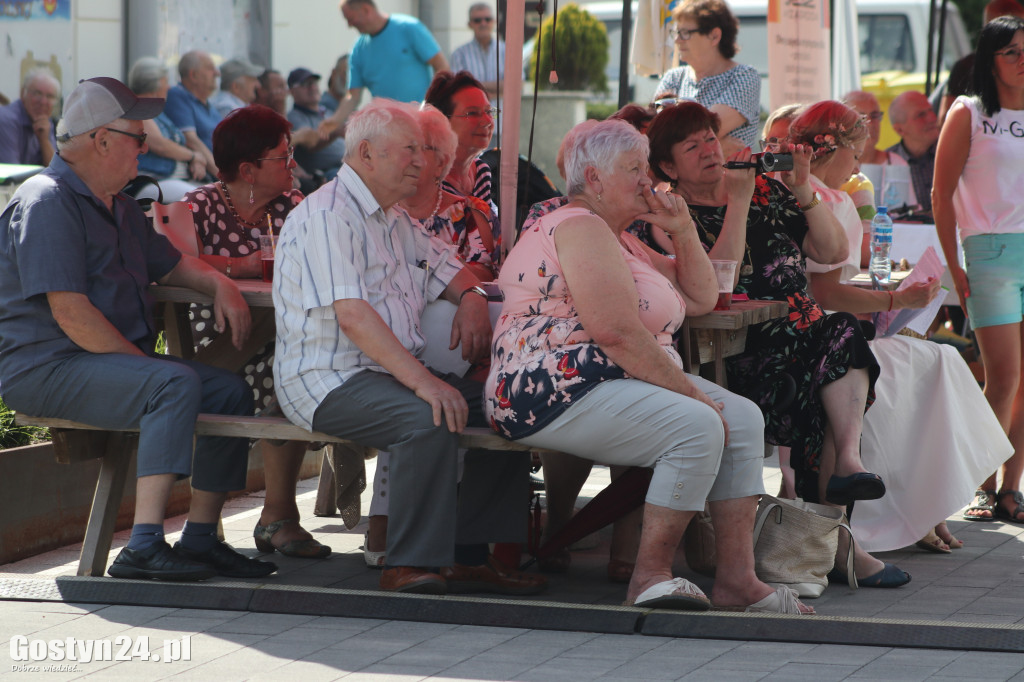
(995, 275)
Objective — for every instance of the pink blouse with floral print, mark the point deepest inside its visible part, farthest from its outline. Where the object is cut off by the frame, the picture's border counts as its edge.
(542, 359)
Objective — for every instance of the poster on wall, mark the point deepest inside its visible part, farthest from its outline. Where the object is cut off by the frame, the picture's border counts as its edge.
(35, 10)
(34, 33)
(799, 49)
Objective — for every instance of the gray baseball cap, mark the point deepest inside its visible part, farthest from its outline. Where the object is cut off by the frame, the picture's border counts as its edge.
(98, 101)
(233, 69)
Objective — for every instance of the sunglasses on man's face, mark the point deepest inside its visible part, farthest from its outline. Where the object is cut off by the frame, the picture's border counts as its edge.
(481, 20)
(140, 138)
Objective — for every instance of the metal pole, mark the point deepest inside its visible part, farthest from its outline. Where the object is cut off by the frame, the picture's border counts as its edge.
(627, 34)
(931, 45)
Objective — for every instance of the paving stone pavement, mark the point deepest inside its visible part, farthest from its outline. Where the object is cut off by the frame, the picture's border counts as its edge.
(976, 593)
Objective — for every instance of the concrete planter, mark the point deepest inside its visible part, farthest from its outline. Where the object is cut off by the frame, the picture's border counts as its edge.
(44, 505)
(557, 112)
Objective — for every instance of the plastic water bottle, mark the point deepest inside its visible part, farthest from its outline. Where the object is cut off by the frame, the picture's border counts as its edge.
(881, 244)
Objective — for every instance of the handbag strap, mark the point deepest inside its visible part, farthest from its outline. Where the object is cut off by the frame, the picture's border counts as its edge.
(762, 517)
(851, 575)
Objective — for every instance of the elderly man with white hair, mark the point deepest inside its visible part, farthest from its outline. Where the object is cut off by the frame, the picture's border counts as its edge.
(77, 334)
(350, 284)
(26, 125)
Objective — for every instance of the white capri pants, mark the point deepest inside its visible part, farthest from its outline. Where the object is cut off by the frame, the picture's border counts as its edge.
(634, 423)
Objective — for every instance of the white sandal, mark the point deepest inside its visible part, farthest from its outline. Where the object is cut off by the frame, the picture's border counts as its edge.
(782, 600)
(372, 559)
(678, 593)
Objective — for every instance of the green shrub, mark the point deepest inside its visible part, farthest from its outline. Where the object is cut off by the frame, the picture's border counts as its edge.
(600, 111)
(581, 51)
(13, 435)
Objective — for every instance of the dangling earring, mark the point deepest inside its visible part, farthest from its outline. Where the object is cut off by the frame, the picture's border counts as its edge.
(599, 196)
(252, 199)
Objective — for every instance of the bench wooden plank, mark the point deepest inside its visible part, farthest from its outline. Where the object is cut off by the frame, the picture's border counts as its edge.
(276, 428)
(116, 448)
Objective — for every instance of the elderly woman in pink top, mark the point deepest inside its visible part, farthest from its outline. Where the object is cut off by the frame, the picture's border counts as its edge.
(582, 362)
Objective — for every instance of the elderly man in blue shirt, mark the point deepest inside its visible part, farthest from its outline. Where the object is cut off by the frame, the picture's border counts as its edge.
(26, 125)
(189, 105)
(77, 333)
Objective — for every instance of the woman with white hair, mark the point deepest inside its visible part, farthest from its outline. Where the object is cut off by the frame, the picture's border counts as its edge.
(453, 218)
(173, 165)
(930, 434)
(582, 362)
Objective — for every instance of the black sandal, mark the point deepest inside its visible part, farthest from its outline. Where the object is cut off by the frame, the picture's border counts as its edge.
(984, 500)
(1018, 500)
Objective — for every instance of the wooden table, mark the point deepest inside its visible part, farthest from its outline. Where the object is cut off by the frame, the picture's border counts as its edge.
(174, 302)
(711, 338)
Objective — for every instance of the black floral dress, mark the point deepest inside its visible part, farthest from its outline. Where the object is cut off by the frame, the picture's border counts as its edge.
(221, 235)
(814, 348)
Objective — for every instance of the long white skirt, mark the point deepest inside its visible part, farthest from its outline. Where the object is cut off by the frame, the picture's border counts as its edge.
(932, 438)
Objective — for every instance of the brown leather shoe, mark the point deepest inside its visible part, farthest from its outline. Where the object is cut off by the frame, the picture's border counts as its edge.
(412, 579)
(492, 577)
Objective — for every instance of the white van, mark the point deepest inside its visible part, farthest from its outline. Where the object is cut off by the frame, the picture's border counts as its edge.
(893, 37)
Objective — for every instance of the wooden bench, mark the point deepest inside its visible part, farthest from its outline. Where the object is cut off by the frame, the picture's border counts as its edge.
(76, 442)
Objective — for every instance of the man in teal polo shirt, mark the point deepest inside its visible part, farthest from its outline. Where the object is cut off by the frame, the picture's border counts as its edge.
(395, 57)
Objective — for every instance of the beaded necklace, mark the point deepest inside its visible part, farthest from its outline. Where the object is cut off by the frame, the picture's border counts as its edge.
(437, 206)
(231, 207)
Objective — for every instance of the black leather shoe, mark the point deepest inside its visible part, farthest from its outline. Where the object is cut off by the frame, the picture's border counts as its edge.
(223, 559)
(158, 562)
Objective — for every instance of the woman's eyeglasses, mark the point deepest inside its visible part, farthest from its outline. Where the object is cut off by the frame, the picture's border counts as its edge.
(1012, 55)
(683, 33)
(474, 113)
(290, 156)
(875, 116)
(772, 144)
(138, 137)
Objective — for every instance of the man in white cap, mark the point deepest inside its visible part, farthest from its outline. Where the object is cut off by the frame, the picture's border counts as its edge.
(239, 79)
(77, 333)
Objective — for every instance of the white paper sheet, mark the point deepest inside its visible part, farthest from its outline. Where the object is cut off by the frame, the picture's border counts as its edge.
(916, 319)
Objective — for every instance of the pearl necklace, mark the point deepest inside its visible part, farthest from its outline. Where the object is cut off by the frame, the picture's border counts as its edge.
(234, 213)
(437, 206)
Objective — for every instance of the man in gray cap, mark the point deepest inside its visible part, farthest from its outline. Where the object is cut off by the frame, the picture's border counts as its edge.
(239, 79)
(77, 332)
(321, 157)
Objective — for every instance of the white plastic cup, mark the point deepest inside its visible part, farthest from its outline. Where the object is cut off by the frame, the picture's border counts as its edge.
(725, 272)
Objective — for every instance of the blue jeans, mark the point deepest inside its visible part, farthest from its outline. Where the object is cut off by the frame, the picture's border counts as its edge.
(161, 395)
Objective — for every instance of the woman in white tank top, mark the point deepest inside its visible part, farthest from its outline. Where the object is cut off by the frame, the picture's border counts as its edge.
(978, 187)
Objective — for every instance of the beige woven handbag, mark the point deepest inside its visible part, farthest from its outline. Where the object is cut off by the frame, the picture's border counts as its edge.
(795, 544)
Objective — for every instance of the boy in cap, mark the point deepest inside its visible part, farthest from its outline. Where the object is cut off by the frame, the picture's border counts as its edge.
(77, 333)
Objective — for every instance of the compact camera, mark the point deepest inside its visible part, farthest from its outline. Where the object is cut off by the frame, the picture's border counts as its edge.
(765, 162)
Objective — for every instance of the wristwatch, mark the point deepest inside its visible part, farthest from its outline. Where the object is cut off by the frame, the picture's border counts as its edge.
(815, 200)
(476, 289)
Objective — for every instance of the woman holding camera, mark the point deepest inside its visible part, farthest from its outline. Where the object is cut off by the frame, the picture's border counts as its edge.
(770, 229)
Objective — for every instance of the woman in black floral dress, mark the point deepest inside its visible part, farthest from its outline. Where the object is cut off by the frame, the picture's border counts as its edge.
(759, 222)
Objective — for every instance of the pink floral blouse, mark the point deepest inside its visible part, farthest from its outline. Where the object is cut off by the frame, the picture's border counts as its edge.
(542, 359)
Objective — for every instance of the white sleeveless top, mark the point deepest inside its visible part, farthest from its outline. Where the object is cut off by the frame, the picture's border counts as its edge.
(988, 198)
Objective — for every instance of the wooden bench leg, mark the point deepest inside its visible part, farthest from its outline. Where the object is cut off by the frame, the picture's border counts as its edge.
(326, 497)
(99, 533)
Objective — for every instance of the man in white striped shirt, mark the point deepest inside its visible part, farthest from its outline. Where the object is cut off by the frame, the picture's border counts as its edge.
(484, 56)
(351, 280)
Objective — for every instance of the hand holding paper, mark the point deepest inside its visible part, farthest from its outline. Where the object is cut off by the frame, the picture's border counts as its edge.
(929, 268)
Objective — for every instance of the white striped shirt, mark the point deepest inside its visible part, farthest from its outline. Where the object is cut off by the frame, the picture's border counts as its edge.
(482, 63)
(340, 244)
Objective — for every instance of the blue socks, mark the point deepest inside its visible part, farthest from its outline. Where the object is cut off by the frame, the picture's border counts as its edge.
(199, 537)
(145, 535)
